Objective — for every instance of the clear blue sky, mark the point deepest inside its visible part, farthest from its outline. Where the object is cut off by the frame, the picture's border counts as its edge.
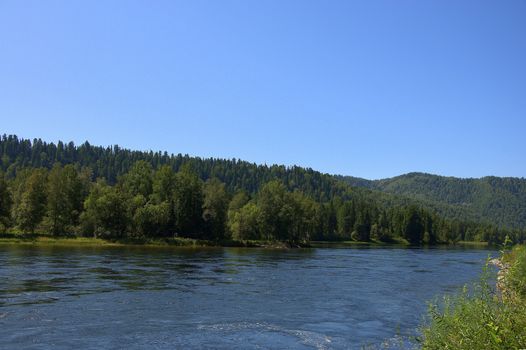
(366, 88)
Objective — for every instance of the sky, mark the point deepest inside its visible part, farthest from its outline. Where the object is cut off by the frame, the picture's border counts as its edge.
(368, 88)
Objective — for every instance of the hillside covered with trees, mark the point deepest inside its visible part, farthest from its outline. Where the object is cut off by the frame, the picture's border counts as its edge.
(110, 192)
(500, 200)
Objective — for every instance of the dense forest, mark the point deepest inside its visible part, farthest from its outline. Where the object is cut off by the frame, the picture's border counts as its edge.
(110, 192)
(501, 200)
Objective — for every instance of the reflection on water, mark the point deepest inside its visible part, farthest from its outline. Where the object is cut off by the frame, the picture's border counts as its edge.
(57, 297)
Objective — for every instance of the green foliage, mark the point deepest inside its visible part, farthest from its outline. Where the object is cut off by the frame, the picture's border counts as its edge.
(304, 215)
(215, 208)
(413, 226)
(5, 204)
(480, 319)
(138, 181)
(105, 212)
(244, 222)
(238, 200)
(274, 220)
(516, 275)
(64, 199)
(164, 185)
(346, 218)
(499, 200)
(112, 163)
(188, 199)
(362, 227)
(31, 206)
(283, 215)
(152, 219)
(166, 195)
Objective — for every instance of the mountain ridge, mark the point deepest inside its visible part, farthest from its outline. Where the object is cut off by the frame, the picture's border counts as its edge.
(359, 179)
(499, 199)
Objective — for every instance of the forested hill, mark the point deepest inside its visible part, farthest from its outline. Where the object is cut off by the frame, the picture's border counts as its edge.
(63, 188)
(499, 199)
(113, 161)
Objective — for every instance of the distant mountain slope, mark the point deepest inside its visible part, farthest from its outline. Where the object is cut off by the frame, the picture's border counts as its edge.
(500, 200)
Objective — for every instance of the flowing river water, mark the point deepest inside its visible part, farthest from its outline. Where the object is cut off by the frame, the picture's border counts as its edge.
(223, 298)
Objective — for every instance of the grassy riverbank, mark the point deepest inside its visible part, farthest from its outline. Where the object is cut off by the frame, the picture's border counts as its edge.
(483, 317)
(44, 240)
(399, 242)
(73, 241)
(50, 240)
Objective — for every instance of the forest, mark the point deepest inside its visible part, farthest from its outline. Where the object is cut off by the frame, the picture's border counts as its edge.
(501, 200)
(114, 193)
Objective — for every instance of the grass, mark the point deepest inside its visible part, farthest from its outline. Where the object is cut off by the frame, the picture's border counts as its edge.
(46, 240)
(394, 242)
(481, 317)
(398, 241)
(472, 243)
(74, 241)
(516, 274)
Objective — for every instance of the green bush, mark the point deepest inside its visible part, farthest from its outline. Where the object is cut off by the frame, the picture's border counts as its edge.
(479, 318)
(516, 275)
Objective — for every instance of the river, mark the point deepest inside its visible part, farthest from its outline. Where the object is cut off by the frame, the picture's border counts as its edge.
(222, 298)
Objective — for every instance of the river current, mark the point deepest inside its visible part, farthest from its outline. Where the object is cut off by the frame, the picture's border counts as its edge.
(223, 298)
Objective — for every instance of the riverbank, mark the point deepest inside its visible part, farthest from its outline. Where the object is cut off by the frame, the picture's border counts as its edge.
(73, 241)
(333, 244)
(484, 316)
(49, 240)
(399, 242)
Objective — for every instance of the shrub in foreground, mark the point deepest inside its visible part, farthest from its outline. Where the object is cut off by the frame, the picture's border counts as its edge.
(480, 318)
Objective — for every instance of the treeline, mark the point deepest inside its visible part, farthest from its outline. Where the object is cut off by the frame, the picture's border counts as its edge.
(117, 193)
(499, 199)
(148, 202)
(112, 162)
